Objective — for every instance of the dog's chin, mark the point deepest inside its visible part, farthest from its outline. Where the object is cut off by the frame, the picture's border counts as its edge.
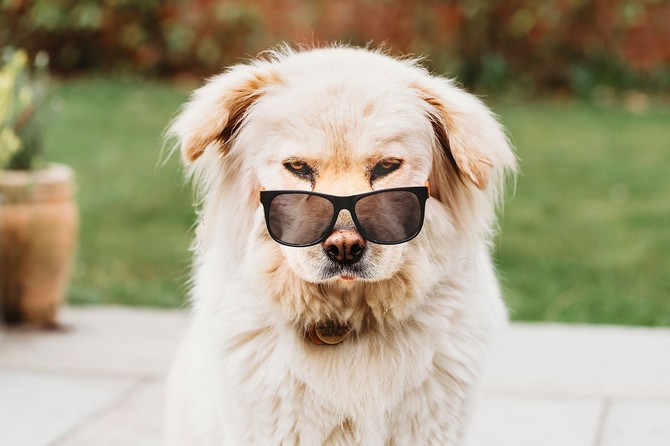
(331, 272)
(347, 272)
(324, 270)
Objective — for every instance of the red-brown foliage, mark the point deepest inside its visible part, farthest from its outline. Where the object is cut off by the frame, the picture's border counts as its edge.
(544, 44)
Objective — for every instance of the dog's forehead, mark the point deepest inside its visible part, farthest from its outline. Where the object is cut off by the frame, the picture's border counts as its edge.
(345, 115)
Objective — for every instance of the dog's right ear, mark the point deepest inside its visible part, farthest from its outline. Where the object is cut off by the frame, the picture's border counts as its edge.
(216, 110)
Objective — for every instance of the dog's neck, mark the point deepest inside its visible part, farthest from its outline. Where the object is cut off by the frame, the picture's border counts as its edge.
(360, 305)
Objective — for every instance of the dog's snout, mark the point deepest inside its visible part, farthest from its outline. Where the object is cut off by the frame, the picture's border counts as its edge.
(345, 246)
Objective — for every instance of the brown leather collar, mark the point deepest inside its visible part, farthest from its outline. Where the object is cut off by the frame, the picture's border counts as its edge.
(328, 332)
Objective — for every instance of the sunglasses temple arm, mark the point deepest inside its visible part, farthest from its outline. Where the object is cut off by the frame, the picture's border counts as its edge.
(259, 193)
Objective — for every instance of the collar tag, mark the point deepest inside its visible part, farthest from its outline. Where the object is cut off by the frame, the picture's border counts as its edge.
(328, 332)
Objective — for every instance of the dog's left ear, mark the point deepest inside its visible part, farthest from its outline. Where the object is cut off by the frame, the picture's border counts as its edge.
(467, 134)
(216, 110)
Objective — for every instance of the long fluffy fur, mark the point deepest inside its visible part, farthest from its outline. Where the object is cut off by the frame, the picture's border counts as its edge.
(410, 371)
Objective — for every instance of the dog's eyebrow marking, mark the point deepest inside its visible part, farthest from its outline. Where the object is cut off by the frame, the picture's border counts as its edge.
(301, 168)
(378, 168)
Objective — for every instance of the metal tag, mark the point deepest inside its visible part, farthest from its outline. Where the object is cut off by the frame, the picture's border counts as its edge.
(328, 332)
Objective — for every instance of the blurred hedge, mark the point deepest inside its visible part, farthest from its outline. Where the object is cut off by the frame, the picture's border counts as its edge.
(544, 45)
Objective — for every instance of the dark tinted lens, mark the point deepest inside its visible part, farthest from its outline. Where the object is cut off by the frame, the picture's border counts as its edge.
(390, 216)
(299, 219)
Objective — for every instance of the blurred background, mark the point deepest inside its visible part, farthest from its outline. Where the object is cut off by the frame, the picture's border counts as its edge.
(582, 86)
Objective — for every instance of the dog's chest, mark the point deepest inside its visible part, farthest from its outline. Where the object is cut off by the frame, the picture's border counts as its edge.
(279, 389)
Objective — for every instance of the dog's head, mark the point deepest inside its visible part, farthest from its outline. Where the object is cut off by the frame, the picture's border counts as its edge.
(343, 121)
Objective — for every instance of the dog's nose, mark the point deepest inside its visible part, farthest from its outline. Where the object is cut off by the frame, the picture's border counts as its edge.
(344, 246)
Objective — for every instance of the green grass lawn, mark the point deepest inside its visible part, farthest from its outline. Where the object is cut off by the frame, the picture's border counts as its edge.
(585, 238)
(135, 212)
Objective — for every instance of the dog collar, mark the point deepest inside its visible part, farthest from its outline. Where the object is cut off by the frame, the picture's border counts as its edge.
(328, 332)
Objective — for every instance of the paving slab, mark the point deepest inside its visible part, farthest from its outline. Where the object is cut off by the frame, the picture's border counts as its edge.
(99, 341)
(136, 421)
(100, 382)
(38, 409)
(541, 421)
(644, 423)
(582, 360)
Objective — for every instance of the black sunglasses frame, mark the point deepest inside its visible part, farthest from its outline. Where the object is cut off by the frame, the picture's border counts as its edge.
(339, 203)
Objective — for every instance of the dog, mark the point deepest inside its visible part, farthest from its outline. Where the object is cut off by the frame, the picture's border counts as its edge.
(321, 315)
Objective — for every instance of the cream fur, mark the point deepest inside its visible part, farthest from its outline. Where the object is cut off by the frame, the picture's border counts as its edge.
(424, 313)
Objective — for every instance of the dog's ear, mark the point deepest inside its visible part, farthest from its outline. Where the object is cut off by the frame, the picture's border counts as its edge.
(216, 110)
(468, 136)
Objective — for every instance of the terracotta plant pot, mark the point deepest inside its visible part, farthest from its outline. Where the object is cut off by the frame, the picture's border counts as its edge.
(38, 232)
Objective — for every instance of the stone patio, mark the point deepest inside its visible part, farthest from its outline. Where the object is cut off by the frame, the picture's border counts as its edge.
(100, 382)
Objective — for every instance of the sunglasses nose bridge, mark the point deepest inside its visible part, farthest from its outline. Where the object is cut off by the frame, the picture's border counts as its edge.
(343, 219)
(342, 209)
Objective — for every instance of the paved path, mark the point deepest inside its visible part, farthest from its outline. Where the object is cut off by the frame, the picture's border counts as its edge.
(100, 383)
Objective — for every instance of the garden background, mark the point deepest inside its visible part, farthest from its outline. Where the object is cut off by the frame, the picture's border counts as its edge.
(582, 86)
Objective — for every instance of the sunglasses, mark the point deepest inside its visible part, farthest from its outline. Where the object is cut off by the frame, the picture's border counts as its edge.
(386, 217)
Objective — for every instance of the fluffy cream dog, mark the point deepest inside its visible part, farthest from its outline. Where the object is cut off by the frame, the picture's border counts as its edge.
(420, 315)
